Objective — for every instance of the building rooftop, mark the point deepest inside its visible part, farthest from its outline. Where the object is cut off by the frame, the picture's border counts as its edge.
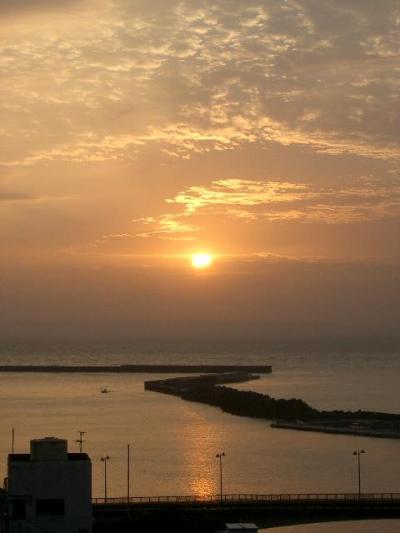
(26, 457)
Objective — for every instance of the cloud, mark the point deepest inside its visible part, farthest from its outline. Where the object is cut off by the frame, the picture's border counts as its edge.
(194, 76)
(275, 201)
(108, 238)
(168, 226)
(17, 6)
(9, 196)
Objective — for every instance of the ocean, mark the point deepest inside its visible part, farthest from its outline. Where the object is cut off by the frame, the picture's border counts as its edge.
(173, 443)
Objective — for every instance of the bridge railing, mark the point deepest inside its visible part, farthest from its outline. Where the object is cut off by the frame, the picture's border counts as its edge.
(237, 498)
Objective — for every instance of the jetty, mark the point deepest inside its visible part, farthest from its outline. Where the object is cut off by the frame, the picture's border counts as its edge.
(180, 386)
(363, 428)
(292, 413)
(139, 369)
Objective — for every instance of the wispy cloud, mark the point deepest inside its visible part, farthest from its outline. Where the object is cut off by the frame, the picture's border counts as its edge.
(276, 201)
(10, 196)
(23, 6)
(168, 226)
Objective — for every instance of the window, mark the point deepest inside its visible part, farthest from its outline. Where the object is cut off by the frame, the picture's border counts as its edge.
(50, 507)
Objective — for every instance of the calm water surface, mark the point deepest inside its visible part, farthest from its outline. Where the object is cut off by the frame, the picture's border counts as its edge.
(174, 442)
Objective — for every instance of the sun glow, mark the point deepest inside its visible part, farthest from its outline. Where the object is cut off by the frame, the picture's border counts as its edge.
(202, 260)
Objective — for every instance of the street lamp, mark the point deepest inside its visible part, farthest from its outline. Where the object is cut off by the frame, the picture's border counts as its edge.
(128, 480)
(220, 456)
(358, 453)
(104, 460)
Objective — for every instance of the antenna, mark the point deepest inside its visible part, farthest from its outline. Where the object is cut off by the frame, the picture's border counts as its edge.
(80, 441)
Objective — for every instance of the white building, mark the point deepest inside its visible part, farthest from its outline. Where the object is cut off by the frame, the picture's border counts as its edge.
(50, 489)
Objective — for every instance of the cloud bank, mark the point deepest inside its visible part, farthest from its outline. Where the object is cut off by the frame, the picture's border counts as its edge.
(196, 76)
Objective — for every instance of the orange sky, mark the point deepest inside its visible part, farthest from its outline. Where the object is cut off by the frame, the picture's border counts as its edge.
(135, 133)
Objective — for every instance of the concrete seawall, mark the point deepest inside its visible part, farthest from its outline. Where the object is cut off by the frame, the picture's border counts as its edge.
(139, 368)
(338, 430)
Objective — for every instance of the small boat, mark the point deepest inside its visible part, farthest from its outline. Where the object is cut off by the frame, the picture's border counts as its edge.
(105, 390)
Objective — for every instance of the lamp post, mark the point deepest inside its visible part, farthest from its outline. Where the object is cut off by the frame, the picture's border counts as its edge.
(104, 460)
(128, 480)
(358, 453)
(220, 456)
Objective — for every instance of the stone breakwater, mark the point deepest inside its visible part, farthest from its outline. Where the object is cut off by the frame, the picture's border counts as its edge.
(139, 368)
(287, 413)
(184, 385)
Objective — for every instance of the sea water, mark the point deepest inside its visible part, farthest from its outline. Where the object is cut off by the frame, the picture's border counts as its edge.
(173, 443)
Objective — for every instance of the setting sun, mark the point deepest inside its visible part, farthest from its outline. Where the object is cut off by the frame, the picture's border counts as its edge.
(201, 260)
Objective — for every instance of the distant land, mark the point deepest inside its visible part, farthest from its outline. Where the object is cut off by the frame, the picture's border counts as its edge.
(210, 339)
(199, 330)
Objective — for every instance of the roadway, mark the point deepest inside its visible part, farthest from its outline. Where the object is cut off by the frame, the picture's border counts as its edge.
(206, 515)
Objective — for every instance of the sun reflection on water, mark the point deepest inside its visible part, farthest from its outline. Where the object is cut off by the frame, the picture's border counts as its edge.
(203, 487)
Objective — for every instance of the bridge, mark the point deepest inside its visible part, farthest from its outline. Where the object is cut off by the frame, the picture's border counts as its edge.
(209, 514)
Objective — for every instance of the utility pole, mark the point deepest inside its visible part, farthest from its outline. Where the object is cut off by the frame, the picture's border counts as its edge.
(128, 481)
(104, 460)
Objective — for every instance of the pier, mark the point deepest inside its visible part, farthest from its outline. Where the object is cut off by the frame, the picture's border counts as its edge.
(139, 369)
(363, 428)
(178, 386)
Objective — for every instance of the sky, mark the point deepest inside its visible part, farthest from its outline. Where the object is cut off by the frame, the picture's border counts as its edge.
(135, 133)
